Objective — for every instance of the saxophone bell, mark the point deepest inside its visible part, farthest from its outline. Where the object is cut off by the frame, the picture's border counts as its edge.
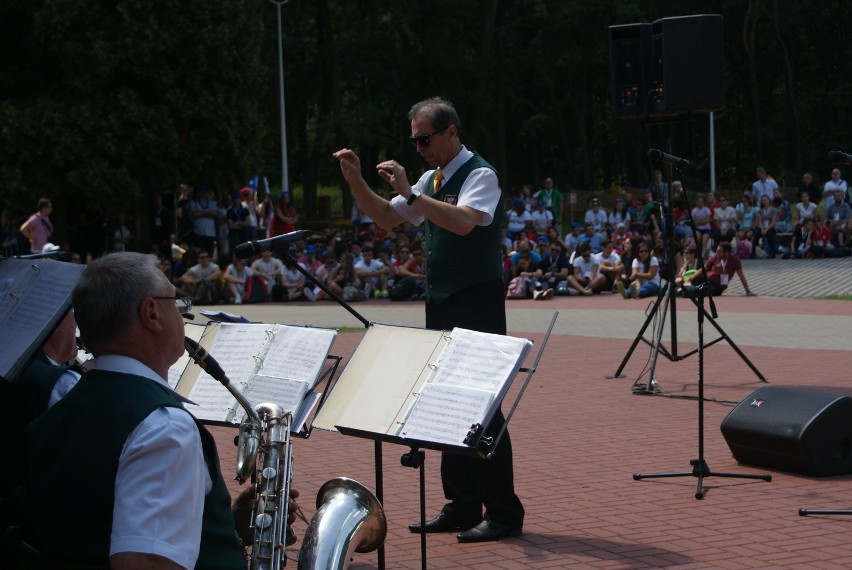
(349, 519)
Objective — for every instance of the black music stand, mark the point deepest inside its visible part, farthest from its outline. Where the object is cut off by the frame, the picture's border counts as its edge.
(476, 443)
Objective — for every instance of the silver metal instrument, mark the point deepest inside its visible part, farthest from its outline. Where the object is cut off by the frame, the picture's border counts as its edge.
(349, 517)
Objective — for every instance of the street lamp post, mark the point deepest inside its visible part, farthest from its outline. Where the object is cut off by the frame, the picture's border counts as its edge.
(285, 181)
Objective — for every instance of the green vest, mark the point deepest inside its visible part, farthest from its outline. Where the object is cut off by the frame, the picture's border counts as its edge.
(74, 450)
(455, 262)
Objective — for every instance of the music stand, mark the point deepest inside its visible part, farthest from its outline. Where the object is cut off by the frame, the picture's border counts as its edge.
(343, 410)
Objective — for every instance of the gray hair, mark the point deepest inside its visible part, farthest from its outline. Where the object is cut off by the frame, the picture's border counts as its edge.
(440, 112)
(108, 294)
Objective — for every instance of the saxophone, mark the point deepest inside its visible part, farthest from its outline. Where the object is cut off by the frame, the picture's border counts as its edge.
(348, 518)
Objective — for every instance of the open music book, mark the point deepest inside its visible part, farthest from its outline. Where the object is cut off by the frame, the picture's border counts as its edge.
(424, 385)
(273, 363)
(35, 294)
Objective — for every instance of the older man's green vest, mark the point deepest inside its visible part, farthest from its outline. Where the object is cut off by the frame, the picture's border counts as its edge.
(74, 449)
(454, 262)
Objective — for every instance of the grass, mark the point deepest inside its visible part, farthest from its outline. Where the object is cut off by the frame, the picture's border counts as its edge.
(836, 298)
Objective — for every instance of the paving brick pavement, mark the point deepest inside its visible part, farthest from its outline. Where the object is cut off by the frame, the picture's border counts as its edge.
(578, 438)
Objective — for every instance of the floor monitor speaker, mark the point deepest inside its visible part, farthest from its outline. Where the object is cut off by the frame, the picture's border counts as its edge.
(792, 429)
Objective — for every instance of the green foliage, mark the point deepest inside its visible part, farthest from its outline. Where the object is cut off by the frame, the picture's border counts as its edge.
(105, 102)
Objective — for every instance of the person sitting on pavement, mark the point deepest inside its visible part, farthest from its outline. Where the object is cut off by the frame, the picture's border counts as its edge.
(541, 218)
(554, 269)
(573, 238)
(373, 274)
(586, 279)
(644, 277)
(838, 214)
(292, 281)
(518, 219)
(690, 272)
(344, 276)
(593, 238)
(528, 272)
(410, 277)
(596, 216)
(619, 215)
(764, 228)
(721, 267)
(609, 265)
(725, 218)
(322, 274)
(803, 241)
(236, 277)
(522, 246)
(205, 270)
(269, 268)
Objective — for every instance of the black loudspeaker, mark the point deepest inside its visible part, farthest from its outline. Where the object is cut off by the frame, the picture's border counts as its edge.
(689, 63)
(791, 429)
(631, 69)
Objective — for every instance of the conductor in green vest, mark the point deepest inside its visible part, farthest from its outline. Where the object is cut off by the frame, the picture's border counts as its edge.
(120, 473)
(458, 203)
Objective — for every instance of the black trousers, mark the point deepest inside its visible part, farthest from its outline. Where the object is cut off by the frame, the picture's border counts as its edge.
(470, 482)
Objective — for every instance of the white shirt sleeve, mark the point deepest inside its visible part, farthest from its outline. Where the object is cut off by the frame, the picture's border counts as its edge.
(480, 191)
(159, 498)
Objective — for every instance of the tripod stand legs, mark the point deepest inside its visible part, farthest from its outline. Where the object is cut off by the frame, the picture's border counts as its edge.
(805, 512)
(699, 470)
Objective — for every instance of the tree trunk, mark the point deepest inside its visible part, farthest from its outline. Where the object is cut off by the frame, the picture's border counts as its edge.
(789, 76)
(750, 23)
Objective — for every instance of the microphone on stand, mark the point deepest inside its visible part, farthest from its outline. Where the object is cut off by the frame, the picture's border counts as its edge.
(660, 156)
(840, 157)
(252, 248)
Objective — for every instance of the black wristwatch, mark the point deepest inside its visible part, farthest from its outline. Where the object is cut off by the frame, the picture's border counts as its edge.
(413, 196)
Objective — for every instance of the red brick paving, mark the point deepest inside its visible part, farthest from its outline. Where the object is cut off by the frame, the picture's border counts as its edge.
(578, 438)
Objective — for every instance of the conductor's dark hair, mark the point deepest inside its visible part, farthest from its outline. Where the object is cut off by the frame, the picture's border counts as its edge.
(440, 111)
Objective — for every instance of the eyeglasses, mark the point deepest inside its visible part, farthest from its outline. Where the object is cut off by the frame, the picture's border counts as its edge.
(425, 140)
(183, 304)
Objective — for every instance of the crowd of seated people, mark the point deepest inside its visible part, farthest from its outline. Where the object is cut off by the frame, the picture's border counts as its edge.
(614, 246)
(371, 264)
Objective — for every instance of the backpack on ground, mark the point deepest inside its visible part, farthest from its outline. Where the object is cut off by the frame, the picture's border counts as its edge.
(517, 288)
(205, 294)
(255, 291)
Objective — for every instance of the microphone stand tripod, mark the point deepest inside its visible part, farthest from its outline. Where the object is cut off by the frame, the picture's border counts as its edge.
(667, 299)
(699, 465)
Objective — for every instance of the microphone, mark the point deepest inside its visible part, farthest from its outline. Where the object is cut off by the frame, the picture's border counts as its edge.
(252, 248)
(840, 157)
(660, 156)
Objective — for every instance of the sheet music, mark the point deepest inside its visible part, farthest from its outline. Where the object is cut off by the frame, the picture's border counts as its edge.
(285, 392)
(442, 413)
(297, 352)
(32, 311)
(235, 349)
(477, 360)
(208, 393)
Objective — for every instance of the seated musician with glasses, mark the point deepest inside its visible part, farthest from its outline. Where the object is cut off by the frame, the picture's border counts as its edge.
(119, 472)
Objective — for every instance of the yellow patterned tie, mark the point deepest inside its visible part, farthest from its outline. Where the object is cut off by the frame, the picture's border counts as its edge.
(439, 175)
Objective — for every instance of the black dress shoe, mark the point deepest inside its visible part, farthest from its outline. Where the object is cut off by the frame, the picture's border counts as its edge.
(487, 531)
(445, 522)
